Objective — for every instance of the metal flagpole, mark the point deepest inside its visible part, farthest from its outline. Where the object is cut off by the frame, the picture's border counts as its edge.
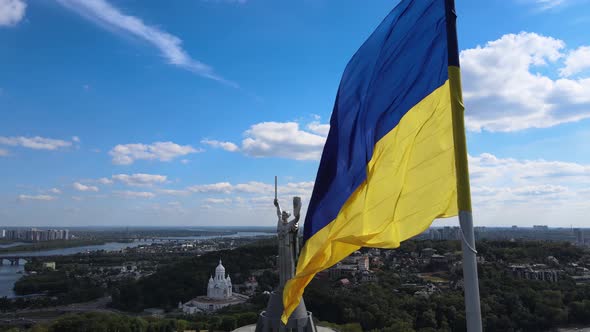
(471, 285)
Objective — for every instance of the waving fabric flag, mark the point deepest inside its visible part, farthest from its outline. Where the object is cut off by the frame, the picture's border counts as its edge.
(388, 167)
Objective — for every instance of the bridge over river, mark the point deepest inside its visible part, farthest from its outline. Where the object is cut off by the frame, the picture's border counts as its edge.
(15, 260)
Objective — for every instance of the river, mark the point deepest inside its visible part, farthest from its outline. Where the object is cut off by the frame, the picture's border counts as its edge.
(10, 274)
(13, 244)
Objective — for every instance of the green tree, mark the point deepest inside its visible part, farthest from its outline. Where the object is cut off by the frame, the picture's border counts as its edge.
(228, 323)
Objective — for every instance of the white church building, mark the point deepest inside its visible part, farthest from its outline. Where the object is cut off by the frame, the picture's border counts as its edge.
(219, 287)
(219, 294)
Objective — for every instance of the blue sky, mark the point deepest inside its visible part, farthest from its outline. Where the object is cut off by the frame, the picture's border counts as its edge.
(180, 113)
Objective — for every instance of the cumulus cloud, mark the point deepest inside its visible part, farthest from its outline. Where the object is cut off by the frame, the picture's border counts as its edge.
(254, 187)
(489, 170)
(504, 90)
(502, 182)
(140, 179)
(227, 146)
(36, 142)
(11, 12)
(298, 188)
(319, 128)
(105, 181)
(576, 61)
(108, 16)
(281, 139)
(36, 198)
(135, 194)
(126, 154)
(220, 187)
(82, 187)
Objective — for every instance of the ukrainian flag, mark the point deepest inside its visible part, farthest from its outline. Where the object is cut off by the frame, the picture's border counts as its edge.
(389, 168)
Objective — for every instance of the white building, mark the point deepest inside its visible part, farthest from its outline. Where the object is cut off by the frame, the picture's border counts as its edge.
(220, 287)
(363, 263)
(219, 294)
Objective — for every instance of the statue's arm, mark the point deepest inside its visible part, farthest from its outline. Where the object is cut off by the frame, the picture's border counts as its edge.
(294, 224)
(296, 213)
(278, 208)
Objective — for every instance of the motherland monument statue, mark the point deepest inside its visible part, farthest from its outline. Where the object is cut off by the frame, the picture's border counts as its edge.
(288, 242)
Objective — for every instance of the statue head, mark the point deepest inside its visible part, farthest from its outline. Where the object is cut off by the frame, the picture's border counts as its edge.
(285, 215)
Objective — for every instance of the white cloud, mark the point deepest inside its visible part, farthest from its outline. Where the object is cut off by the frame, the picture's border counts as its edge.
(487, 169)
(126, 154)
(500, 183)
(319, 128)
(504, 91)
(4, 153)
(540, 190)
(37, 142)
(282, 139)
(297, 188)
(108, 16)
(174, 192)
(218, 200)
(36, 198)
(576, 61)
(76, 139)
(140, 179)
(227, 146)
(220, 187)
(82, 187)
(54, 191)
(11, 12)
(256, 188)
(548, 4)
(135, 194)
(105, 181)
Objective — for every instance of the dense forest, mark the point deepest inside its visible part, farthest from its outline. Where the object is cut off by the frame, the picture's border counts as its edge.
(189, 277)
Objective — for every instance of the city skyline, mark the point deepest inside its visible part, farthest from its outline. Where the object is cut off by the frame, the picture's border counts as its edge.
(135, 113)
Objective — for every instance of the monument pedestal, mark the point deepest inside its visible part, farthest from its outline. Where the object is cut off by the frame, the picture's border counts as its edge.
(270, 319)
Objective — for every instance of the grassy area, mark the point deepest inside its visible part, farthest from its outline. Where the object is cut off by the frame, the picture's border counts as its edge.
(46, 314)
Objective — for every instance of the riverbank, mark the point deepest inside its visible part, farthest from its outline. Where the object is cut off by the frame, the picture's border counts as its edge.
(57, 244)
